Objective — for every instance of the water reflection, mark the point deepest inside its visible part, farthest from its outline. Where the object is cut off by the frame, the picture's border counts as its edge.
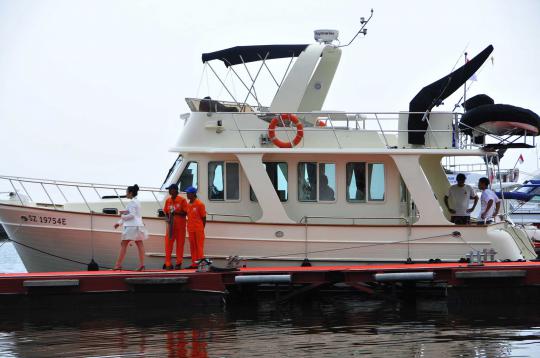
(330, 327)
(113, 330)
(190, 343)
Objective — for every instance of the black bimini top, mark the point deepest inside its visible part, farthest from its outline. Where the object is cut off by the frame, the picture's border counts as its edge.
(244, 54)
(432, 95)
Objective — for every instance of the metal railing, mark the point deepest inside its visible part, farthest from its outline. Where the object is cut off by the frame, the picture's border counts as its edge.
(383, 123)
(57, 193)
(305, 219)
(214, 215)
(377, 122)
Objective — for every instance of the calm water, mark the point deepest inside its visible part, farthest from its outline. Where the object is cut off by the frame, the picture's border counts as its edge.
(328, 327)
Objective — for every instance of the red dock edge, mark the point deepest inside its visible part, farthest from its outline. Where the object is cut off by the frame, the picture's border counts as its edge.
(487, 280)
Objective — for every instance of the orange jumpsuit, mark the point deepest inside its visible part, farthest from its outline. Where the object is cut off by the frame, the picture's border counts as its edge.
(195, 225)
(178, 229)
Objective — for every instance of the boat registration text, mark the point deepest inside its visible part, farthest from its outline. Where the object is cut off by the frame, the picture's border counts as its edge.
(45, 219)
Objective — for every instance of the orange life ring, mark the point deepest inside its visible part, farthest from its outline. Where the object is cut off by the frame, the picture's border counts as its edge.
(285, 117)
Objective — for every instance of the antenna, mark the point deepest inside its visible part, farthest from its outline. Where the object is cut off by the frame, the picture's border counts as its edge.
(362, 30)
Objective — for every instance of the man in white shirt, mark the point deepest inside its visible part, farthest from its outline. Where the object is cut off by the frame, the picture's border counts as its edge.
(489, 203)
(459, 195)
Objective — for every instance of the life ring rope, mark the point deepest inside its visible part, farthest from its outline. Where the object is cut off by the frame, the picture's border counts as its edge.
(285, 117)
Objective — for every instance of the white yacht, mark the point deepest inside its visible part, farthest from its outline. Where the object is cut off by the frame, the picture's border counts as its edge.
(284, 183)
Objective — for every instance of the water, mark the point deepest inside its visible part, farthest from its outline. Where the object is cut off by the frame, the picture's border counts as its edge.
(346, 326)
(9, 260)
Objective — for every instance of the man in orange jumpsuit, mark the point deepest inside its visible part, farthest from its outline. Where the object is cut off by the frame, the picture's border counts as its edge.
(195, 225)
(175, 208)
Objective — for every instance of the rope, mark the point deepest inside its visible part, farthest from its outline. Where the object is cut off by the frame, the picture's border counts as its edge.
(454, 234)
(253, 257)
(50, 254)
(515, 233)
(466, 243)
(54, 255)
(61, 257)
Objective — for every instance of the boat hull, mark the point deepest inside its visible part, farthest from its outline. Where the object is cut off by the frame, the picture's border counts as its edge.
(55, 240)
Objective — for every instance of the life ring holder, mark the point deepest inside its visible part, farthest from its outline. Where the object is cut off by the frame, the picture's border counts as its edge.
(285, 117)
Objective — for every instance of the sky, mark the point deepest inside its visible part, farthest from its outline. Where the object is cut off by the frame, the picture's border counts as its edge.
(92, 90)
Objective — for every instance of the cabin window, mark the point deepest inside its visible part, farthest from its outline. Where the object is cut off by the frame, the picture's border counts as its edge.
(358, 175)
(215, 181)
(189, 176)
(327, 182)
(232, 180)
(376, 181)
(309, 176)
(223, 181)
(172, 171)
(278, 174)
(356, 182)
(403, 191)
(307, 181)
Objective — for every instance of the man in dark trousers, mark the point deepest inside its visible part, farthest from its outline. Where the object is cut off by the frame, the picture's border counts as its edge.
(459, 195)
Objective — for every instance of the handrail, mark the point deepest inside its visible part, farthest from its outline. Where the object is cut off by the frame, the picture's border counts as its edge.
(230, 215)
(42, 184)
(347, 120)
(86, 203)
(337, 122)
(82, 185)
(306, 218)
(66, 183)
(382, 131)
(312, 129)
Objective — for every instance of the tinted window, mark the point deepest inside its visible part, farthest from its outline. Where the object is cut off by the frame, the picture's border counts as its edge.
(307, 181)
(356, 181)
(215, 181)
(403, 193)
(232, 180)
(327, 182)
(189, 176)
(278, 174)
(376, 181)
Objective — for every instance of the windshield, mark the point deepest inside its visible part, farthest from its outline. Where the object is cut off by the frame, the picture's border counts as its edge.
(170, 175)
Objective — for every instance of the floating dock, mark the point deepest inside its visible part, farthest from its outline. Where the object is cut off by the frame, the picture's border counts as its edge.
(457, 282)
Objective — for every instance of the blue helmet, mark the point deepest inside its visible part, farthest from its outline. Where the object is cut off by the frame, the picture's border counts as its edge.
(191, 189)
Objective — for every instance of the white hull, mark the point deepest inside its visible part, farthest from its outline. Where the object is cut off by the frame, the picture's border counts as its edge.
(260, 244)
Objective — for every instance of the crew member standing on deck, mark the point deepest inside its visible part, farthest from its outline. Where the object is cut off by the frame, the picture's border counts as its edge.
(195, 225)
(459, 195)
(489, 203)
(175, 210)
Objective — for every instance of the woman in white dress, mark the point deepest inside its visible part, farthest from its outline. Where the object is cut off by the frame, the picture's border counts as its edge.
(134, 230)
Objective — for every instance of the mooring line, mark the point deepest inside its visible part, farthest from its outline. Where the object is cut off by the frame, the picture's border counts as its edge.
(453, 234)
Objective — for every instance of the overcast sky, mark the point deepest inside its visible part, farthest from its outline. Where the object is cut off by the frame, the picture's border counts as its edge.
(93, 90)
